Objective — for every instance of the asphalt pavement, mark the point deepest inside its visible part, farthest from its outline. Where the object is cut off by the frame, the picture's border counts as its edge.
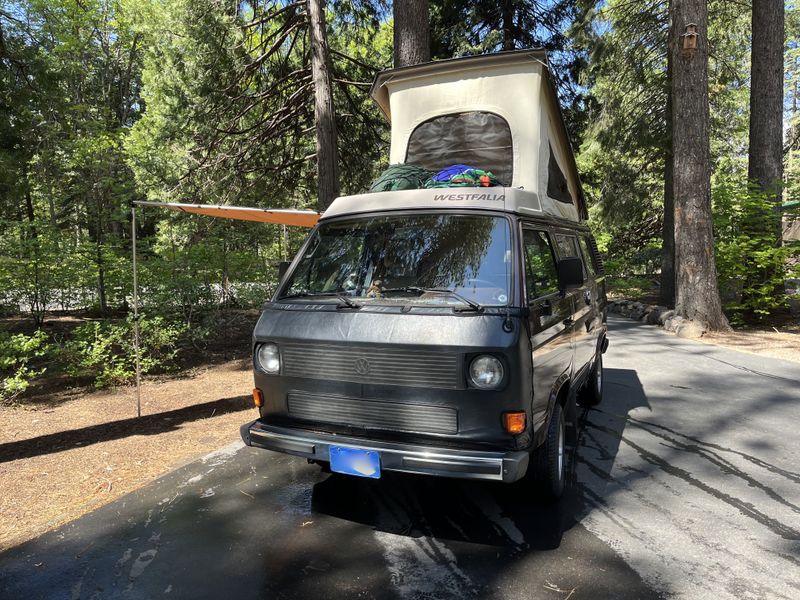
(684, 482)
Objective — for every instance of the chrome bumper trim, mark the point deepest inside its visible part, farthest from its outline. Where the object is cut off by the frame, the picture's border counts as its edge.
(407, 458)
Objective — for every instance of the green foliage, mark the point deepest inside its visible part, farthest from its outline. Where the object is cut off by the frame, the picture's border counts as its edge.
(106, 350)
(632, 287)
(745, 222)
(622, 157)
(486, 26)
(16, 353)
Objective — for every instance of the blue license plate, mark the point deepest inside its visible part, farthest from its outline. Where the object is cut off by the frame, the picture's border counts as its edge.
(355, 461)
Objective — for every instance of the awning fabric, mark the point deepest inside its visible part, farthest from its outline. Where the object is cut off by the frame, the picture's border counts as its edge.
(281, 216)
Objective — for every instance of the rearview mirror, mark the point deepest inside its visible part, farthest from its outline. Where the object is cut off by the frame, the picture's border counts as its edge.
(570, 272)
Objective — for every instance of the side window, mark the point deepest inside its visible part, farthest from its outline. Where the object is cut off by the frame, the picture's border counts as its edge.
(540, 266)
(557, 187)
(568, 248)
(587, 256)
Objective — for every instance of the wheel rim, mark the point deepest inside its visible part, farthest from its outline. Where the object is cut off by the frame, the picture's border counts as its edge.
(561, 452)
(599, 376)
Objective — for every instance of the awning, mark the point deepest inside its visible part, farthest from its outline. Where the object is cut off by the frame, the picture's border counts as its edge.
(281, 216)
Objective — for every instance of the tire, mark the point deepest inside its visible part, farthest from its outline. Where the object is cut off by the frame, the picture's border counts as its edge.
(592, 392)
(549, 459)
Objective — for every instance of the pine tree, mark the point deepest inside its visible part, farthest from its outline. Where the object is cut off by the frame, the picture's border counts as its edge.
(324, 118)
(765, 153)
(697, 294)
(412, 37)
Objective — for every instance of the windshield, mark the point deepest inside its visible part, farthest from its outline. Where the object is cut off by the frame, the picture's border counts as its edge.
(420, 259)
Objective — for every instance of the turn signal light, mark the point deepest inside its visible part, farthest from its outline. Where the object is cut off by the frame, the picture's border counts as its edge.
(514, 422)
(258, 397)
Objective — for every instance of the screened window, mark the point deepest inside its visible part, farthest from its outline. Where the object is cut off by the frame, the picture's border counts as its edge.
(477, 139)
(540, 267)
(557, 187)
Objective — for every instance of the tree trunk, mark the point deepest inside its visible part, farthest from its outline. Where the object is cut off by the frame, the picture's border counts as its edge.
(324, 118)
(668, 234)
(101, 278)
(29, 201)
(765, 157)
(412, 36)
(697, 294)
(101, 275)
(508, 24)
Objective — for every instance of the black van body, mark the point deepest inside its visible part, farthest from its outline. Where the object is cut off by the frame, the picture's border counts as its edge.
(445, 326)
(393, 379)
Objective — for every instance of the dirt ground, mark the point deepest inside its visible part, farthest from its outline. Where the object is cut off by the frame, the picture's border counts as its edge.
(783, 343)
(68, 453)
(64, 458)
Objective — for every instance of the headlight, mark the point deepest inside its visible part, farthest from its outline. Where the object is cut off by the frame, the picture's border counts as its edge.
(268, 358)
(486, 372)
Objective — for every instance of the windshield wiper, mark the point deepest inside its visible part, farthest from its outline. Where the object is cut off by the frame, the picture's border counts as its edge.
(342, 298)
(425, 290)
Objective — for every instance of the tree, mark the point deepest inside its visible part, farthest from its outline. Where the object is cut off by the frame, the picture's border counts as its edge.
(765, 156)
(765, 153)
(667, 283)
(324, 121)
(625, 149)
(460, 28)
(412, 37)
(625, 155)
(697, 294)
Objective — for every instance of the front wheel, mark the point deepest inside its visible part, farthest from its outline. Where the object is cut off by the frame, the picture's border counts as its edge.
(592, 392)
(549, 460)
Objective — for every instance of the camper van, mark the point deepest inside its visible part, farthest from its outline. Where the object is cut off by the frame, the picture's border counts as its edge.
(446, 328)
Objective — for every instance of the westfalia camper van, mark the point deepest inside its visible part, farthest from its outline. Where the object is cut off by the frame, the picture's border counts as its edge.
(445, 326)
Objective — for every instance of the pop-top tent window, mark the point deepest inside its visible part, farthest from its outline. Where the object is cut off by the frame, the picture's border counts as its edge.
(557, 187)
(478, 139)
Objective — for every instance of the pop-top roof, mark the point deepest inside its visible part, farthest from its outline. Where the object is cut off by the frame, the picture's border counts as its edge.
(515, 86)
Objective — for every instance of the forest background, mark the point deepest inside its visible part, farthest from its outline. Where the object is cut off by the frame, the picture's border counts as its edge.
(104, 102)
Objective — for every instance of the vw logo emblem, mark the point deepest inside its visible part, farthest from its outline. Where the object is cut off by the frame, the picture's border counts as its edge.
(362, 366)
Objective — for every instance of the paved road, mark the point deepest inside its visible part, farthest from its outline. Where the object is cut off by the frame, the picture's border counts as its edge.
(685, 483)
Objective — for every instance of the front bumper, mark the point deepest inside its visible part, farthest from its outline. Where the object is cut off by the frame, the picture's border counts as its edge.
(406, 458)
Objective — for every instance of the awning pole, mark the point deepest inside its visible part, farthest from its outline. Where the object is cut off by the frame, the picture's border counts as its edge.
(136, 316)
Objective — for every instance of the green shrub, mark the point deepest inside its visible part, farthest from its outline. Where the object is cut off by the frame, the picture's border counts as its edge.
(106, 350)
(632, 287)
(16, 353)
(751, 267)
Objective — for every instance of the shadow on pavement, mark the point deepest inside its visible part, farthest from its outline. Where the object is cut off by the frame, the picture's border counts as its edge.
(146, 425)
(249, 524)
(486, 512)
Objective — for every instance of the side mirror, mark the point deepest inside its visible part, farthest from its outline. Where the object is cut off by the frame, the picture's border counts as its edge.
(570, 272)
(283, 266)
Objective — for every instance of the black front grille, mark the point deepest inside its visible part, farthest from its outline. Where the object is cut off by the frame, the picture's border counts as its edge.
(372, 414)
(379, 366)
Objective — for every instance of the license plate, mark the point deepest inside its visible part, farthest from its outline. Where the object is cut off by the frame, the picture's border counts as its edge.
(355, 461)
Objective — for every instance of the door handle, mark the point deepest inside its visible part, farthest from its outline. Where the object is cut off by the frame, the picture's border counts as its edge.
(587, 296)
